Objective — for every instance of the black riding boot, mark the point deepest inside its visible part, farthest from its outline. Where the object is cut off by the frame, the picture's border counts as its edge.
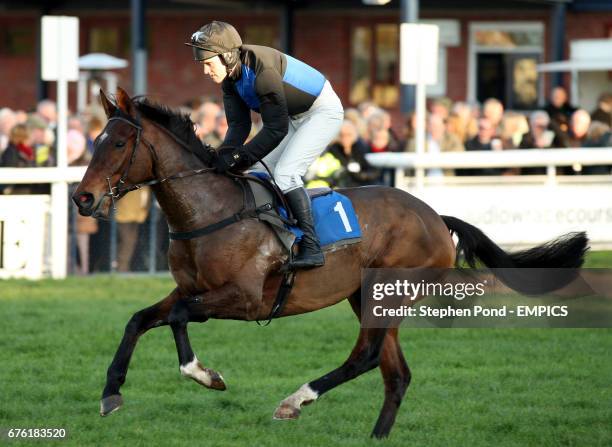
(309, 254)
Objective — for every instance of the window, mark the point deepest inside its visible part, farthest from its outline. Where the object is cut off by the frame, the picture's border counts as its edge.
(17, 41)
(376, 81)
(104, 40)
(502, 63)
(386, 91)
(110, 40)
(361, 80)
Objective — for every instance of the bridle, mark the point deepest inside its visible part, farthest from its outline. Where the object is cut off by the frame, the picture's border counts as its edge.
(119, 190)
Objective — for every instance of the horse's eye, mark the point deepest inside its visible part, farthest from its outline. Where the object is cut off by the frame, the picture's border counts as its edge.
(120, 144)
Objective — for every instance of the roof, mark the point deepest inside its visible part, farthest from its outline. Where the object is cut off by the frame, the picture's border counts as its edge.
(585, 55)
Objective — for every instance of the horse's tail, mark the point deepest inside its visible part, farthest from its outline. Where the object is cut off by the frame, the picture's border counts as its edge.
(565, 252)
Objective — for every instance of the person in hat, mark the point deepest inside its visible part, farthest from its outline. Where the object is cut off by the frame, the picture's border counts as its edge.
(300, 112)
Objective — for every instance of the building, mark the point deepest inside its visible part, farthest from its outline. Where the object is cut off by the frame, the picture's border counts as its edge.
(487, 48)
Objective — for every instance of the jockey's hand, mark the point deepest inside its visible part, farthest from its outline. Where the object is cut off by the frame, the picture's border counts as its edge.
(231, 159)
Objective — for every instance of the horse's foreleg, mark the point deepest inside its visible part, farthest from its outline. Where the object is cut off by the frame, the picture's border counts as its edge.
(189, 364)
(140, 322)
(228, 301)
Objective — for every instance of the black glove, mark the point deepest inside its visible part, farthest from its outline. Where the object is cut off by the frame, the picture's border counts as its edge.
(231, 159)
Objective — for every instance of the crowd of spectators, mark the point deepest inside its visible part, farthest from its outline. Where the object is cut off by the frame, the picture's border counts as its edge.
(459, 126)
(27, 139)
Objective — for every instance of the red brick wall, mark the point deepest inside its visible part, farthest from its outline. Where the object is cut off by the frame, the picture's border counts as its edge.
(321, 39)
(18, 74)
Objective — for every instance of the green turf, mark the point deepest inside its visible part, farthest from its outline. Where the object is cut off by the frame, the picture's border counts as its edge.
(544, 387)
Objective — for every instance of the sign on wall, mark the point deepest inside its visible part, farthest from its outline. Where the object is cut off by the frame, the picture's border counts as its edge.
(418, 54)
(60, 48)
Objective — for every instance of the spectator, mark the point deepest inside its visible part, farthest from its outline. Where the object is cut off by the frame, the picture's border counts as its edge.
(538, 137)
(42, 139)
(485, 140)
(367, 109)
(559, 110)
(205, 119)
(579, 126)
(441, 107)
(94, 128)
(8, 120)
(74, 122)
(513, 127)
(47, 110)
(493, 109)
(21, 116)
(18, 154)
(85, 226)
(387, 124)
(380, 138)
(221, 126)
(603, 113)
(216, 137)
(354, 116)
(132, 210)
(438, 140)
(465, 124)
(344, 164)
(599, 135)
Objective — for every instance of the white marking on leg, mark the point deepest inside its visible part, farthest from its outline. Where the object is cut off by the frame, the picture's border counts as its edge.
(297, 399)
(194, 370)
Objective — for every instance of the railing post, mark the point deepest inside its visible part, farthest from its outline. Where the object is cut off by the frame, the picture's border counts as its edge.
(551, 175)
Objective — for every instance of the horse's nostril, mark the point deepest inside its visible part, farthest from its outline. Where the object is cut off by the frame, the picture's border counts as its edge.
(83, 200)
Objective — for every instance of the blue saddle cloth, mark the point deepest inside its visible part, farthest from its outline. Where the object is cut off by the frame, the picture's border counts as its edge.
(334, 217)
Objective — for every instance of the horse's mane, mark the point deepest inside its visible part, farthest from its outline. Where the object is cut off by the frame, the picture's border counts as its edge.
(177, 122)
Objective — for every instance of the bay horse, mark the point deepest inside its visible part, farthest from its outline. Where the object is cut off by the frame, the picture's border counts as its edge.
(234, 273)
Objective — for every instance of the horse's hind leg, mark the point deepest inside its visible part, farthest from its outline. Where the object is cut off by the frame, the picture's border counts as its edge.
(396, 376)
(366, 355)
(189, 364)
(141, 321)
(395, 372)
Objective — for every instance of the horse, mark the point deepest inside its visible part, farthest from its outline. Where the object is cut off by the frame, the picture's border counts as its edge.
(234, 272)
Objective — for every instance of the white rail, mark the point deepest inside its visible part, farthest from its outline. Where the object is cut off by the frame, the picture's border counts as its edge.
(41, 175)
(550, 158)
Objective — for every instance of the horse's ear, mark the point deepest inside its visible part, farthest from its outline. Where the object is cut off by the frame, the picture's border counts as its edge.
(125, 103)
(109, 107)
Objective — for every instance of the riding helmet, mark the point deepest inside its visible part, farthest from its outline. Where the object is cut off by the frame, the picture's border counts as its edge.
(215, 38)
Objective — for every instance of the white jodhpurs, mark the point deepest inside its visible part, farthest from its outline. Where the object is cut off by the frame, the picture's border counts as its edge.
(309, 134)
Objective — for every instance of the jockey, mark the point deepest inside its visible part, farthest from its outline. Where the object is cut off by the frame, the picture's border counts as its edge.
(300, 112)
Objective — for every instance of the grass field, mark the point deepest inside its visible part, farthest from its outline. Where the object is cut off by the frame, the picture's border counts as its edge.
(544, 387)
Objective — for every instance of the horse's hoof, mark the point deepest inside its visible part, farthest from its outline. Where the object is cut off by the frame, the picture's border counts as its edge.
(110, 404)
(286, 412)
(216, 380)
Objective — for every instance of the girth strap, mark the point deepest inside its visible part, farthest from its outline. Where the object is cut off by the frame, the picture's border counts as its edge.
(248, 211)
(245, 213)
